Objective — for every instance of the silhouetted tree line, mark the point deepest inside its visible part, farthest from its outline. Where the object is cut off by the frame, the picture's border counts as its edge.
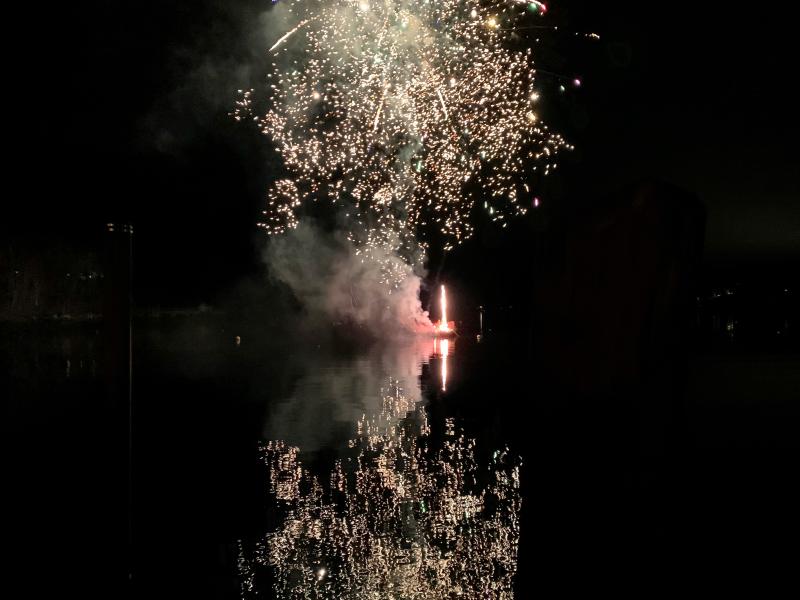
(51, 280)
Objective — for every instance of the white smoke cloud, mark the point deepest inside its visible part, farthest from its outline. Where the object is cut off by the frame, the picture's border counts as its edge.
(334, 281)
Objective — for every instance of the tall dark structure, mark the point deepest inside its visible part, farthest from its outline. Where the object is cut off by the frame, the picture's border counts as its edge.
(118, 359)
(611, 341)
(614, 319)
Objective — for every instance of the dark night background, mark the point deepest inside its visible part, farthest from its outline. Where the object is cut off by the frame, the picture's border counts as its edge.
(119, 112)
(122, 114)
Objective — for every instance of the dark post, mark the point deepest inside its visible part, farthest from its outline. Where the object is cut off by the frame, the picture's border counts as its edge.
(117, 349)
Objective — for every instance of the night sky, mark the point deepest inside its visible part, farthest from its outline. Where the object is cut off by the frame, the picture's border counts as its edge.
(119, 111)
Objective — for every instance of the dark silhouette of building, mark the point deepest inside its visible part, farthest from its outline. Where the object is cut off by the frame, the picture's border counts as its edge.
(615, 320)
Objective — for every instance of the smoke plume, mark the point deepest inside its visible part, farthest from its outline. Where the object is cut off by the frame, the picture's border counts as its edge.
(333, 281)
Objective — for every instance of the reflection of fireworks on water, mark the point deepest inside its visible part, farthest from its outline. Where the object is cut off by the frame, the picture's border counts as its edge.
(402, 518)
(404, 112)
(441, 349)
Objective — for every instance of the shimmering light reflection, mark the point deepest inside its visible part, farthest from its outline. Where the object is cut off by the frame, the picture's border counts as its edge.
(400, 516)
(345, 388)
(445, 352)
(441, 350)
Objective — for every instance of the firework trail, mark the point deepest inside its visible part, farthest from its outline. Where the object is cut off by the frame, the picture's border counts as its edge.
(404, 113)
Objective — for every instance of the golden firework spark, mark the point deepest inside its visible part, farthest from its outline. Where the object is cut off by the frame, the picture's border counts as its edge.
(405, 113)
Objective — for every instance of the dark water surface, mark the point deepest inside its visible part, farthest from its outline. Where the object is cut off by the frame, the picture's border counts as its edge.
(282, 467)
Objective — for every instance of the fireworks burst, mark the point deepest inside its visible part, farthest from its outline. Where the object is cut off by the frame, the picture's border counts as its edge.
(405, 113)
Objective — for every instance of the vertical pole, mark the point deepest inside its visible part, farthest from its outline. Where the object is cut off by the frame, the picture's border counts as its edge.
(118, 357)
